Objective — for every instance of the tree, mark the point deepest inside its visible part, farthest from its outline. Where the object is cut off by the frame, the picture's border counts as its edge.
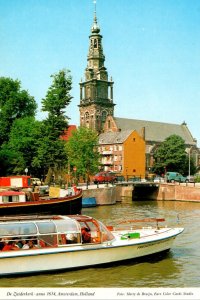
(51, 153)
(51, 158)
(15, 103)
(82, 152)
(57, 98)
(171, 155)
(18, 153)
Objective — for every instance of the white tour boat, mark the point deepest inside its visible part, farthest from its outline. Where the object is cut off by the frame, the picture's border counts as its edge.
(36, 244)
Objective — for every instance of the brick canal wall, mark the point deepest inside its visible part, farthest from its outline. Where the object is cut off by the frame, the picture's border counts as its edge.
(170, 192)
(104, 196)
(178, 192)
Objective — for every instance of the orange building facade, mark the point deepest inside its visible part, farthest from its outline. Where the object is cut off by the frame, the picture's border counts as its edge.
(123, 153)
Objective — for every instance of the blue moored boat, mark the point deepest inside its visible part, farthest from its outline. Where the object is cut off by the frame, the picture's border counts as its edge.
(89, 202)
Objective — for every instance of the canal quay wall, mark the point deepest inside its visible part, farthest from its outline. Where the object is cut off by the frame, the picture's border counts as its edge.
(106, 195)
(179, 192)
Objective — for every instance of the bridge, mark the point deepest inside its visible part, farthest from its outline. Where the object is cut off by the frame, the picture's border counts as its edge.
(142, 190)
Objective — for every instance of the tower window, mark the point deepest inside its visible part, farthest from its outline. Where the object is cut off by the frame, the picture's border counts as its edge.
(104, 115)
(95, 43)
(87, 115)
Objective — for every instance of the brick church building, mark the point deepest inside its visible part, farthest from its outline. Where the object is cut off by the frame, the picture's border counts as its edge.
(97, 112)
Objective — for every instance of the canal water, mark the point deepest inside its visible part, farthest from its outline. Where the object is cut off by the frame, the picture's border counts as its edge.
(178, 268)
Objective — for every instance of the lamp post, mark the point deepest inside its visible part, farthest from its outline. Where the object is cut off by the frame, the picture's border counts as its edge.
(189, 162)
(75, 169)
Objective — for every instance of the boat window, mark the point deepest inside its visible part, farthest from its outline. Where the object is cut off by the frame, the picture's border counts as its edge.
(67, 225)
(93, 230)
(16, 229)
(12, 198)
(106, 234)
(46, 227)
(47, 240)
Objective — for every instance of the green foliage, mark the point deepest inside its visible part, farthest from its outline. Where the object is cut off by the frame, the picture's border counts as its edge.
(17, 154)
(171, 156)
(82, 152)
(57, 98)
(197, 178)
(26, 143)
(15, 103)
(51, 153)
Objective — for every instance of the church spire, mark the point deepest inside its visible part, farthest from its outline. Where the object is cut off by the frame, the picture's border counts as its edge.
(95, 27)
(96, 92)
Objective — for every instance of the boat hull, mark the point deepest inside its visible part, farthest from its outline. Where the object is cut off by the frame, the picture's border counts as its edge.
(64, 205)
(89, 202)
(81, 256)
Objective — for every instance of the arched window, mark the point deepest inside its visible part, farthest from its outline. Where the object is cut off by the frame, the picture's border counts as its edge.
(87, 116)
(104, 115)
(95, 43)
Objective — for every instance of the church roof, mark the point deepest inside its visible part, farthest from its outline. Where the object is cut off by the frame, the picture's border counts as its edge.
(114, 137)
(156, 131)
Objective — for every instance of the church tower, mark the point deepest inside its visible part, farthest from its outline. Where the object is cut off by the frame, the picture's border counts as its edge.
(96, 91)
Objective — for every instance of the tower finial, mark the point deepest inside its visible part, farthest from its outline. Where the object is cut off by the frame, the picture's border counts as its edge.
(95, 10)
(95, 6)
(95, 27)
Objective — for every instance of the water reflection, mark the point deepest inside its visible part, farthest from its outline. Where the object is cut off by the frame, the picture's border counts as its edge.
(178, 268)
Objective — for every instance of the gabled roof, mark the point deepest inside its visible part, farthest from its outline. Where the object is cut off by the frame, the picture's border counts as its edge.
(114, 137)
(156, 131)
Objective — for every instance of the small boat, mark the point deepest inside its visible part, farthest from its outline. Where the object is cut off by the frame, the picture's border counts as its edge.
(89, 202)
(36, 244)
(19, 202)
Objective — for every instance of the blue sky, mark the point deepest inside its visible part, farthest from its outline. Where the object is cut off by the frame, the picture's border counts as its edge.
(152, 50)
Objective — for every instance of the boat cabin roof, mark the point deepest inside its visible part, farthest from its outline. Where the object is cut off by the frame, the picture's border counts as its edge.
(32, 218)
(24, 226)
(11, 193)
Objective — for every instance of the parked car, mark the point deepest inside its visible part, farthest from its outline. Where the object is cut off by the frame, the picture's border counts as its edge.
(175, 176)
(158, 179)
(120, 178)
(191, 178)
(104, 177)
(134, 179)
